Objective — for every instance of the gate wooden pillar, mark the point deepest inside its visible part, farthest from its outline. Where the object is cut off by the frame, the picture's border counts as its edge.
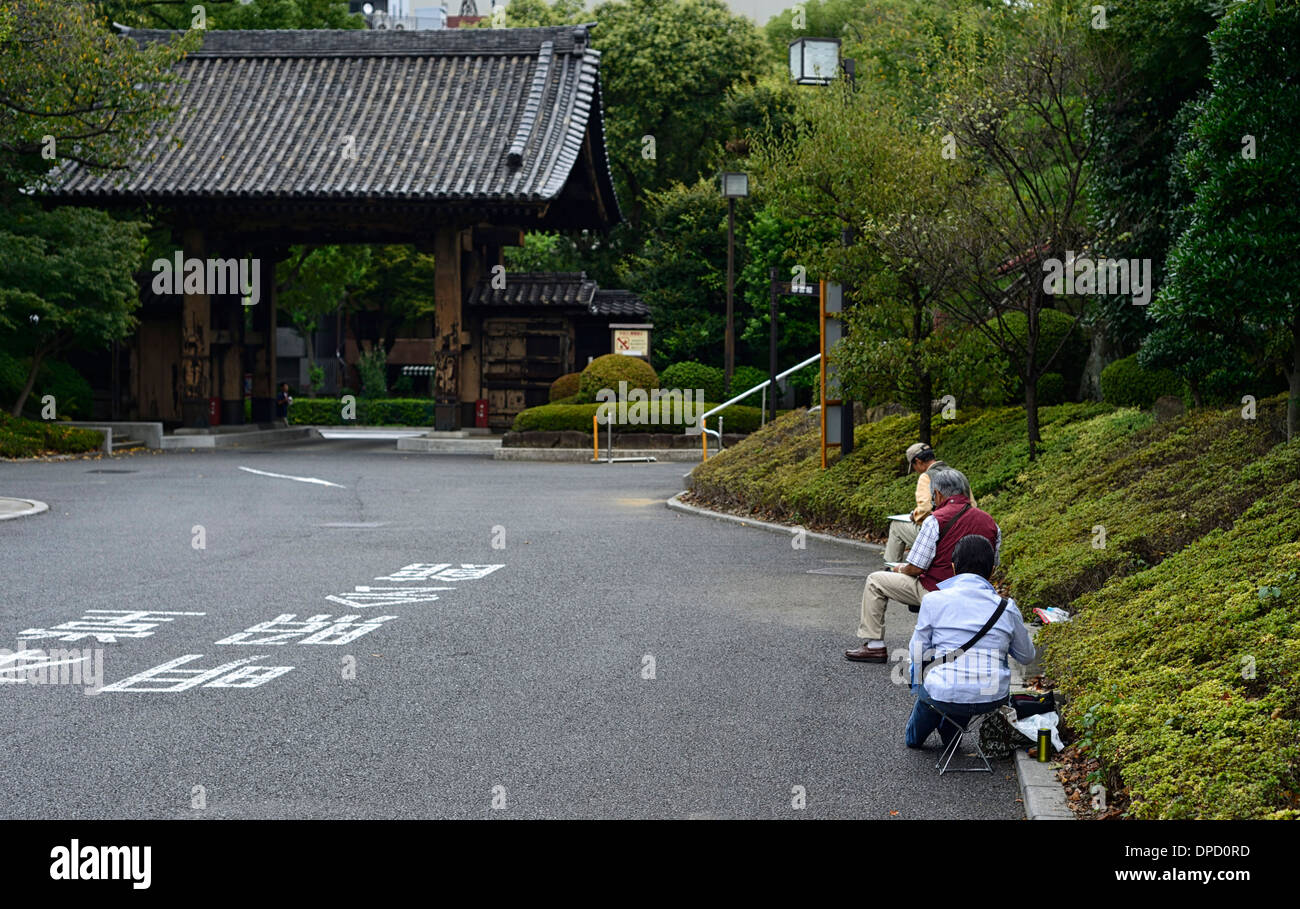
(448, 324)
(262, 338)
(196, 313)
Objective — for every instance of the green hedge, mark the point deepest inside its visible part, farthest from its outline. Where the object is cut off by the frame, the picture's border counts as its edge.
(577, 417)
(1124, 383)
(22, 438)
(370, 412)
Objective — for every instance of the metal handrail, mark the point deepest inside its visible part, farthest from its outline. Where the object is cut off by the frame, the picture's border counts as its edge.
(762, 385)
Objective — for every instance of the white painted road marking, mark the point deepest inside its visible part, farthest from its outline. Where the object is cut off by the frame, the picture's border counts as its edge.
(285, 476)
(106, 625)
(366, 597)
(428, 571)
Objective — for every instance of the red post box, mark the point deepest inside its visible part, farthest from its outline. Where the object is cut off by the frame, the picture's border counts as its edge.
(214, 411)
(481, 413)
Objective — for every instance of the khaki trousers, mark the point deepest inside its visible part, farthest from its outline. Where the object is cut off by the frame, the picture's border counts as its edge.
(902, 534)
(882, 586)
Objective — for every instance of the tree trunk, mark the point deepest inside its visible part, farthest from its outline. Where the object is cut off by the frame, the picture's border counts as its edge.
(1031, 374)
(1194, 386)
(1031, 412)
(37, 358)
(1293, 382)
(926, 399)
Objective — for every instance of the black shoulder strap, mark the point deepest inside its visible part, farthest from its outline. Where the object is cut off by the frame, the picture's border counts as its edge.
(953, 654)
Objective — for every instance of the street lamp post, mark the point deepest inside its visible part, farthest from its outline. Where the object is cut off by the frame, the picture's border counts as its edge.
(734, 186)
(816, 61)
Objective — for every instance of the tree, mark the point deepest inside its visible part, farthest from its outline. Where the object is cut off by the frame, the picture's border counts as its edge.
(680, 271)
(68, 281)
(535, 13)
(857, 161)
(71, 91)
(396, 292)
(1233, 272)
(314, 282)
(1021, 105)
(233, 14)
(1133, 189)
(666, 66)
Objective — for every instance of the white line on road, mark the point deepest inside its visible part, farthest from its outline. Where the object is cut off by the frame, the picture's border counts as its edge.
(285, 476)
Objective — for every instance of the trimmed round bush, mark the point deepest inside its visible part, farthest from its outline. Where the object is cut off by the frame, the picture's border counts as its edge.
(609, 370)
(690, 375)
(746, 377)
(566, 386)
(1126, 384)
(1051, 388)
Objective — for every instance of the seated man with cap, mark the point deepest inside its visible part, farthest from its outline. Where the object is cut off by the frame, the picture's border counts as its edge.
(929, 562)
(902, 534)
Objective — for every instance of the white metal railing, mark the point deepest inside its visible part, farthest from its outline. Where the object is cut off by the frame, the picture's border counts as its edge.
(761, 386)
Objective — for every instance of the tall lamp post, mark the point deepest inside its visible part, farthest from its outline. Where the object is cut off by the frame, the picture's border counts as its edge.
(734, 186)
(817, 61)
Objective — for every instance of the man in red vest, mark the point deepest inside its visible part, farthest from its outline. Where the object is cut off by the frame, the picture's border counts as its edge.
(928, 563)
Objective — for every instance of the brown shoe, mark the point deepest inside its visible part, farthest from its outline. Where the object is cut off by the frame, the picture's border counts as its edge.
(866, 654)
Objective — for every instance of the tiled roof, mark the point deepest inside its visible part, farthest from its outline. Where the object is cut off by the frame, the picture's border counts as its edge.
(571, 289)
(618, 303)
(536, 288)
(458, 117)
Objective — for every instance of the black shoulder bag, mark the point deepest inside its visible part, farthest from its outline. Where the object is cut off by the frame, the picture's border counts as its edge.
(927, 665)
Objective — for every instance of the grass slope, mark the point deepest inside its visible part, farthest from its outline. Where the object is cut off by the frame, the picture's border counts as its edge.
(1174, 543)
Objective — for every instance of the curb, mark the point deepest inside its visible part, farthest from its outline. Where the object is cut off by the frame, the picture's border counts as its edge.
(676, 504)
(583, 455)
(1042, 794)
(34, 507)
(1041, 791)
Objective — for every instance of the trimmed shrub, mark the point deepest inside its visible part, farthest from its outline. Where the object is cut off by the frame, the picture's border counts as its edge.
(609, 370)
(1051, 389)
(566, 386)
(746, 377)
(690, 375)
(1124, 383)
(577, 417)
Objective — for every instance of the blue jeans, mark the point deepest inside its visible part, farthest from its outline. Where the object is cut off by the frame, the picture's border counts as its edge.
(927, 716)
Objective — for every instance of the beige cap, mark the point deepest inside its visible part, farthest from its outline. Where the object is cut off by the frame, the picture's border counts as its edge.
(914, 450)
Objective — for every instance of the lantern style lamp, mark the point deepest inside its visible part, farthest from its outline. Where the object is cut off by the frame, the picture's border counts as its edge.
(814, 61)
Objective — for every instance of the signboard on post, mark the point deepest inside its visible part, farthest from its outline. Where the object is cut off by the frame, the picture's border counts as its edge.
(832, 329)
(632, 340)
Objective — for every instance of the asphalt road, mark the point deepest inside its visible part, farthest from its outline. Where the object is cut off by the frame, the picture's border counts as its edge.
(525, 688)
